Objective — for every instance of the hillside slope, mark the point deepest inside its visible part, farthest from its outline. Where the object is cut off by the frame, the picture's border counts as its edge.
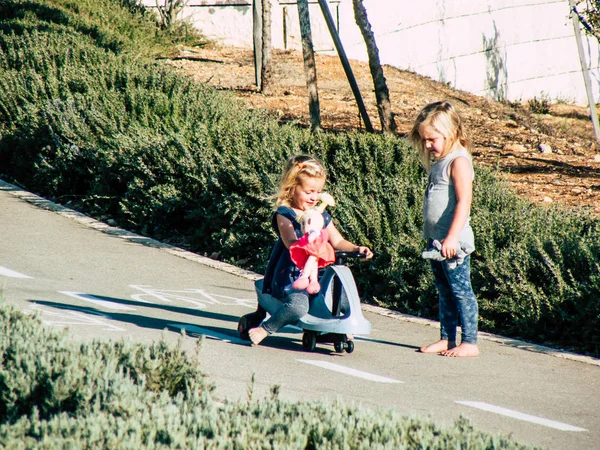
(507, 136)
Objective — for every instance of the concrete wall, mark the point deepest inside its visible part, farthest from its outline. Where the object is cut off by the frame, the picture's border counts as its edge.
(503, 49)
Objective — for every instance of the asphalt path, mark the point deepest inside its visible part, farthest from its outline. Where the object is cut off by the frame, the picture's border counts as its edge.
(105, 283)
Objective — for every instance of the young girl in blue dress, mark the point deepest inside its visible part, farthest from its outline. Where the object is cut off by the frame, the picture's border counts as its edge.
(439, 136)
(303, 180)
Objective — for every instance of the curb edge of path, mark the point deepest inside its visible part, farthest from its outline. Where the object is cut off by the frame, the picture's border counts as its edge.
(82, 219)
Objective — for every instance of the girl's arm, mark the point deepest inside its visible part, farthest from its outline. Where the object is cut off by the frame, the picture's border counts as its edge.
(286, 230)
(338, 242)
(461, 174)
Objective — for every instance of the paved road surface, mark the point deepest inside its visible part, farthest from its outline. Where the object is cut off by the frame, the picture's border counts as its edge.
(102, 282)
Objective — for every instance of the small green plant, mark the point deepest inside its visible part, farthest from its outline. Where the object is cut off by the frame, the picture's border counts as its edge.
(169, 12)
(539, 105)
(516, 104)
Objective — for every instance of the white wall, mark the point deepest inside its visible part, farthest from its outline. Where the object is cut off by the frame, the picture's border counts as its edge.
(504, 49)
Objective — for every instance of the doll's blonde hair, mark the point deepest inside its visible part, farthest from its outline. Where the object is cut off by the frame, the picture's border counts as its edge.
(442, 117)
(298, 168)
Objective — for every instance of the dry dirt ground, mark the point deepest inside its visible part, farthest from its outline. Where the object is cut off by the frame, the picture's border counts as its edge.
(504, 135)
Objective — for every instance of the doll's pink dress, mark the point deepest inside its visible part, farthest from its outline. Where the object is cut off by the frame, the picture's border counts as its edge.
(320, 247)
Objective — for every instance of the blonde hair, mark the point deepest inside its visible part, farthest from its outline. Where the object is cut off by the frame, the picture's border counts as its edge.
(297, 168)
(443, 118)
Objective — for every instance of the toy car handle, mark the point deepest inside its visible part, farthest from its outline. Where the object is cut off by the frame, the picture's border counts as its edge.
(354, 254)
(340, 256)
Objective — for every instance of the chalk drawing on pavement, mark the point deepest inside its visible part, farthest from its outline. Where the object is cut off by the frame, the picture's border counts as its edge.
(98, 301)
(68, 318)
(199, 298)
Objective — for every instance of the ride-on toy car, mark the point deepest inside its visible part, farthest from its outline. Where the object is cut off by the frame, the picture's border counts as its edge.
(334, 312)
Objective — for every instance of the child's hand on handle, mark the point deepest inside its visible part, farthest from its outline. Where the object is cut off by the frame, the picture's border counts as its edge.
(365, 250)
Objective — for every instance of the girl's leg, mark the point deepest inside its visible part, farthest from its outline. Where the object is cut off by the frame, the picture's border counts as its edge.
(447, 311)
(294, 306)
(459, 279)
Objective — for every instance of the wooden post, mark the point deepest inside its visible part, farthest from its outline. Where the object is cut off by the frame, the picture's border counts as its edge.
(310, 66)
(257, 39)
(382, 93)
(266, 65)
(345, 63)
(585, 70)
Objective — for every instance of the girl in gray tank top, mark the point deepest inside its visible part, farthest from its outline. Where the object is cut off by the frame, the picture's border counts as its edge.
(440, 202)
(439, 136)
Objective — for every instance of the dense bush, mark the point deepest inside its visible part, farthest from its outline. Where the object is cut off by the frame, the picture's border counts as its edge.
(537, 270)
(44, 373)
(58, 394)
(95, 124)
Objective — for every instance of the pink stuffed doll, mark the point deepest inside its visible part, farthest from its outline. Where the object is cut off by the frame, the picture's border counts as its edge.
(313, 250)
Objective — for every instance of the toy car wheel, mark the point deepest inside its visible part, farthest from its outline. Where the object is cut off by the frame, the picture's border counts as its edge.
(339, 347)
(309, 341)
(349, 346)
(243, 328)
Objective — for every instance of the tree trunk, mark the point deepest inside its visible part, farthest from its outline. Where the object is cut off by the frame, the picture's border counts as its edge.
(266, 69)
(257, 40)
(382, 94)
(310, 66)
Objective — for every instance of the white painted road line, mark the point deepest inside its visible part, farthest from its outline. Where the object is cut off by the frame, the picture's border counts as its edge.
(97, 301)
(11, 273)
(208, 333)
(349, 371)
(521, 416)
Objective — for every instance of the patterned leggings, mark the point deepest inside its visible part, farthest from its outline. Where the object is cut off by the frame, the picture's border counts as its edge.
(456, 299)
(295, 305)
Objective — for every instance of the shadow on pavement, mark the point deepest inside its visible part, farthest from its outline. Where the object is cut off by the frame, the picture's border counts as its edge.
(281, 341)
(158, 323)
(165, 307)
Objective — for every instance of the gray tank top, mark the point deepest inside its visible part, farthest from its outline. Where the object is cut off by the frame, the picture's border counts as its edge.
(440, 202)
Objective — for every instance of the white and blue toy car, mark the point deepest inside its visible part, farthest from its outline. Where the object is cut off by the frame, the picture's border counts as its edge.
(334, 312)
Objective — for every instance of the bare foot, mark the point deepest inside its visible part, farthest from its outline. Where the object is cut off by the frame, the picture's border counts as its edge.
(349, 337)
(464, 350)
(437, 347)
(257, 335)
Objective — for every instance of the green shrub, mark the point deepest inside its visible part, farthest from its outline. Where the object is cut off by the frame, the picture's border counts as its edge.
(119, 26)
(58, 394)
(44, 373)
(539, 105)
(535, 269)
